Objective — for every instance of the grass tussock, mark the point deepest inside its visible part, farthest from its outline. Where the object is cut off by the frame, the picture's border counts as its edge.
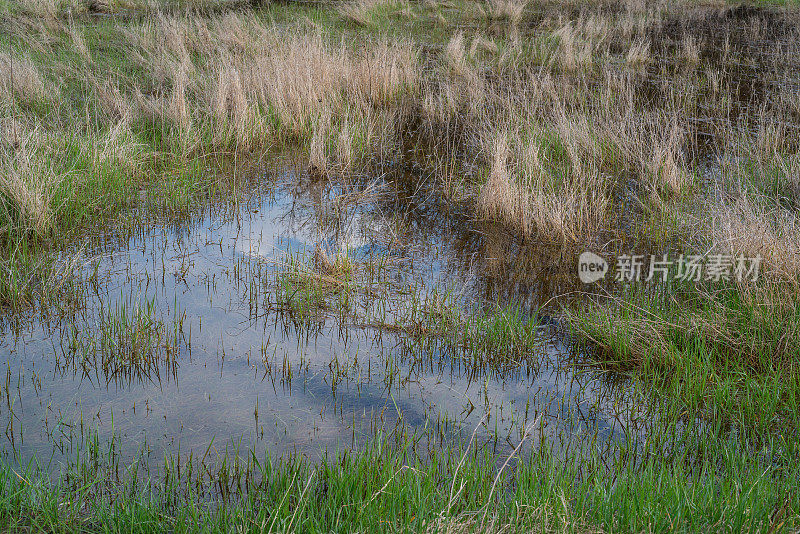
(507, 10)
(28, 185)
(500, 198)
(360, 11)
(740, 227)
(132, 343)
(20, 77)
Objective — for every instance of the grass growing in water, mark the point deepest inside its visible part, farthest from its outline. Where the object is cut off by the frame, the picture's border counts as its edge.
(387, 488)
(361, 293)
(131, 343)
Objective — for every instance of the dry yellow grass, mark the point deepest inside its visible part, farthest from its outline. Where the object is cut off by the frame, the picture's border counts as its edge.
(18, 75)
(510, 10)
(10, 130)
(318, 159)
(258, 78)
(456, 55)
(568, 213)
(601, 141)
(41, 8)
(118, 146)
(575, 52)
(110, 99)
(638, 53)
(690, 50)
(28, 184)
(482, 44)
(740, 227)
(79, 43)
(501, 198)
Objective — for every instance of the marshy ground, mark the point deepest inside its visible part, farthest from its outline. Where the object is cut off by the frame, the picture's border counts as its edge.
(290, 266)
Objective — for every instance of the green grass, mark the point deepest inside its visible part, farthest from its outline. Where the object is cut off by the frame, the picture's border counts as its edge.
(725, 358)
(385, 487)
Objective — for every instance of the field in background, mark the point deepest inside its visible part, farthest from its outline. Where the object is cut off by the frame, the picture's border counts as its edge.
(616, 127)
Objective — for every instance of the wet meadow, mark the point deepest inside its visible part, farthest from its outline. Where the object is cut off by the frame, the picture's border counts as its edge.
(315, 266)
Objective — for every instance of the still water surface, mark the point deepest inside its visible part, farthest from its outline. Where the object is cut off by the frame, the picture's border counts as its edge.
(229, 367)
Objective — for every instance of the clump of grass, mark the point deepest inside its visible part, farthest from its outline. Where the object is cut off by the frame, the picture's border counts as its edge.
(47, 9)
(130, 336)
(428, 320)
(310, 288)
(455, 53)
(638, 54)
(340, 267)
(500, 198)
(508, 10)
(690, 50)
(575, 50)
(318, 159)
(28, 187)
(741, 228)
(753, 205)
(21, 78)
(505, 337)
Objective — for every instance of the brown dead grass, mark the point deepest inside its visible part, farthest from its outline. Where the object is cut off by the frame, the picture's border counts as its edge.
(510, 10)
(18, 75)
(359, 11)
(259, 81)
(740, 227)
(501, 198)
(28, 183)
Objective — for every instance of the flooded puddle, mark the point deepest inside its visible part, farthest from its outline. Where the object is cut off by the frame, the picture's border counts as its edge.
(183, 344)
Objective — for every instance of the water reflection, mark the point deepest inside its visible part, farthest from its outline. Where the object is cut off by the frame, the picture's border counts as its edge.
(179, 347)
